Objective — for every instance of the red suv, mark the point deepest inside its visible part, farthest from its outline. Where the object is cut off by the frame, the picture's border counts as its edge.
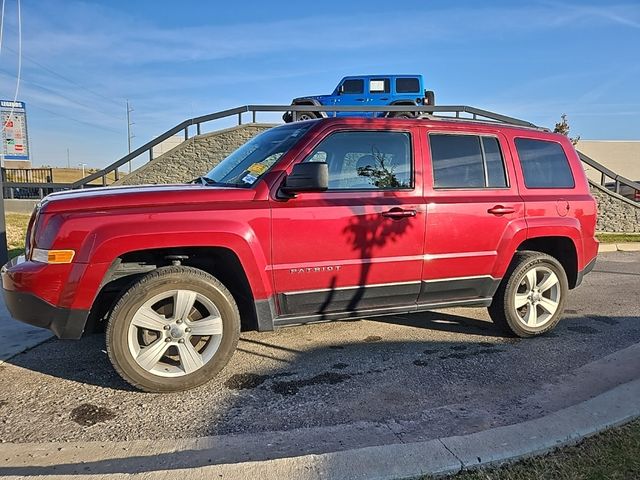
(307, 222)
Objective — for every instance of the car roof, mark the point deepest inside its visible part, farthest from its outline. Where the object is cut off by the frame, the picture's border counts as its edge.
(431, 120)
(383, 75)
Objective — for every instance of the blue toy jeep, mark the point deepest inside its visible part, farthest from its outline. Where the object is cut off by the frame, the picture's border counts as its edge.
(368, 90)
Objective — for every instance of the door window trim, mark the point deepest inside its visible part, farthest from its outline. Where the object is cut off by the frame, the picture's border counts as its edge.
(484, 160)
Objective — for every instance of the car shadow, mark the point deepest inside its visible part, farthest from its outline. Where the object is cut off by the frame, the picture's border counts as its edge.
(91, 363)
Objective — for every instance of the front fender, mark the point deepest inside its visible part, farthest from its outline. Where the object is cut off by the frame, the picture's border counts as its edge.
(108, 242)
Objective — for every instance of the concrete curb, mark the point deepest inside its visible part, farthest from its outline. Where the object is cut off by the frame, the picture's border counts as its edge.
(394, 461)
(619, 247)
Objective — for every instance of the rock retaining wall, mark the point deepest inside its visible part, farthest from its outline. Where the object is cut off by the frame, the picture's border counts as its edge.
(193, 157)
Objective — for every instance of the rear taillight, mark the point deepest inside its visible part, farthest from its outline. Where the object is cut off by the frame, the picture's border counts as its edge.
(636, 196)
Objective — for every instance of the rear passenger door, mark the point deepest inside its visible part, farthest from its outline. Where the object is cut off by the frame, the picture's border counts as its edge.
(379, 93)
(473, 206)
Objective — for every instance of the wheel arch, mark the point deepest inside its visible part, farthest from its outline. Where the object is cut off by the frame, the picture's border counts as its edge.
(562, 248)
(220, 261)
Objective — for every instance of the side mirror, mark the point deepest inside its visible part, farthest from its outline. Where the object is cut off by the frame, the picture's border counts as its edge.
(341, 90)
(307, 177)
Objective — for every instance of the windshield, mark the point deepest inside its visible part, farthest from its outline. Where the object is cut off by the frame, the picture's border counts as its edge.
(253, 159)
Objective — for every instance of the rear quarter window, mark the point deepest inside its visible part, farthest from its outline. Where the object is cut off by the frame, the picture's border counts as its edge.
(544, 164)
(407, 85)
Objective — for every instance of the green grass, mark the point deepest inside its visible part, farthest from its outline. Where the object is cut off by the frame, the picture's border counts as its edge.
(611, 455)
(16, 224)
(618, 237)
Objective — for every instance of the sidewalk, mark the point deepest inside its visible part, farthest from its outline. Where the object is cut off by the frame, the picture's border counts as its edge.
(16, 337)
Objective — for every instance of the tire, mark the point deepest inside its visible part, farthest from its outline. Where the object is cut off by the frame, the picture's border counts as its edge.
(538, 283)
(429, 98)
(176, 358)
(303, 116)
(402, 115)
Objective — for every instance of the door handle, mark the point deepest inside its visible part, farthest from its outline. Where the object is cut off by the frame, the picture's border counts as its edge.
(501, 210)
(359, 99)
(384, 98)
(398, 213)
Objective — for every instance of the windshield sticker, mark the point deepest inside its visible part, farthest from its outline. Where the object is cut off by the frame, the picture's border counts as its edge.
(257, 168)
(250, 179)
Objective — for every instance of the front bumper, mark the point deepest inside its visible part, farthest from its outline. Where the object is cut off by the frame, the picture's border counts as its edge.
(65, 323)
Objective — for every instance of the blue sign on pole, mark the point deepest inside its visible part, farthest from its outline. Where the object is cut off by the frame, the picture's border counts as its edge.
(15, 139)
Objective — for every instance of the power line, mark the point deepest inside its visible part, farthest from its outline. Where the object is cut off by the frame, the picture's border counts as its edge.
(67, 79)
(69, 99)
(94, 125)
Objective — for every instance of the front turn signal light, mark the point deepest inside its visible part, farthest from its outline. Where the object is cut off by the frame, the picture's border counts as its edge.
(52, 256)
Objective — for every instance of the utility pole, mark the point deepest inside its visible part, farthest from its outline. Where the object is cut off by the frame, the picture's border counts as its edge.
(130, 135)
(68, 161)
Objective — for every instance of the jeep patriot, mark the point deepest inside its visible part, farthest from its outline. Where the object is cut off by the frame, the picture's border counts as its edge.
(311, 221)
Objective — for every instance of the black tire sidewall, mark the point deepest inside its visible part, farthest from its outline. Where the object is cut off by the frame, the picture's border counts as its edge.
(172, 278)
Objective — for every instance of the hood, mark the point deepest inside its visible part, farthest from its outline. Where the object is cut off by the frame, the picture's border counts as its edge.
(109, 198)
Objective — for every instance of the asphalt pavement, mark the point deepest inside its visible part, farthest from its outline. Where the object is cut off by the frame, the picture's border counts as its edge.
(354, 384)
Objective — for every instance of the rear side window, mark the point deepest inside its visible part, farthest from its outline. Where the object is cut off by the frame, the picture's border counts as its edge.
(355, 85)
(407, 85)
(544, 164)
(466, 161)
(379, 85)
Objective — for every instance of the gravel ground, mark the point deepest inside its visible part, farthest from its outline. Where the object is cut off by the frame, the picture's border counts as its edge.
(423, 375)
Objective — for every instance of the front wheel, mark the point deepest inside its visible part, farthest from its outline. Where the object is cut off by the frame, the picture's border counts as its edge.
(173, 329)
(531, 297)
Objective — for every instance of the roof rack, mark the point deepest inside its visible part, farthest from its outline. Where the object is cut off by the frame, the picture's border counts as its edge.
(477, 114)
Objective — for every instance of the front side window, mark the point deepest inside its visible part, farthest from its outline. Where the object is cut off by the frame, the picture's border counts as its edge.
(366, 160)
(407, 85)
(353, 86)
(544, 164)
(466, 161)
(253, 159)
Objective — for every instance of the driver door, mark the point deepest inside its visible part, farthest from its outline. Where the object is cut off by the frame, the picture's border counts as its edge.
(358, 246)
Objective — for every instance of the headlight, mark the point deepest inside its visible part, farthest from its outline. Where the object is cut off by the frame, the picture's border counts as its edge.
(52, 256)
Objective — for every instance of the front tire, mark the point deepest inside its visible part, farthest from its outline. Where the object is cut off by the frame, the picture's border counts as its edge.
(531, 297)
(173, 329)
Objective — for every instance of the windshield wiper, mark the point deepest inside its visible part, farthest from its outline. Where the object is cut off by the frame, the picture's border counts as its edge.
(203, 181)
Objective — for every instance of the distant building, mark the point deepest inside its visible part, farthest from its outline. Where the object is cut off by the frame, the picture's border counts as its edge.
(167, 145)
(621, 156)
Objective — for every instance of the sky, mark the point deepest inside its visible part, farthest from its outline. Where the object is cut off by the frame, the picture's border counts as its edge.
(174, 60)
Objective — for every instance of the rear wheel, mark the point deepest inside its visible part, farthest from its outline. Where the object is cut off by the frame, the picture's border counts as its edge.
(174, 329)
(402, 115)
(302, 116)
(531, 297)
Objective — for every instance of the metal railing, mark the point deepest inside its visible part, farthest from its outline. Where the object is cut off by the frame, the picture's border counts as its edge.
(462, 112)
(617, 183)
(186, 127)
